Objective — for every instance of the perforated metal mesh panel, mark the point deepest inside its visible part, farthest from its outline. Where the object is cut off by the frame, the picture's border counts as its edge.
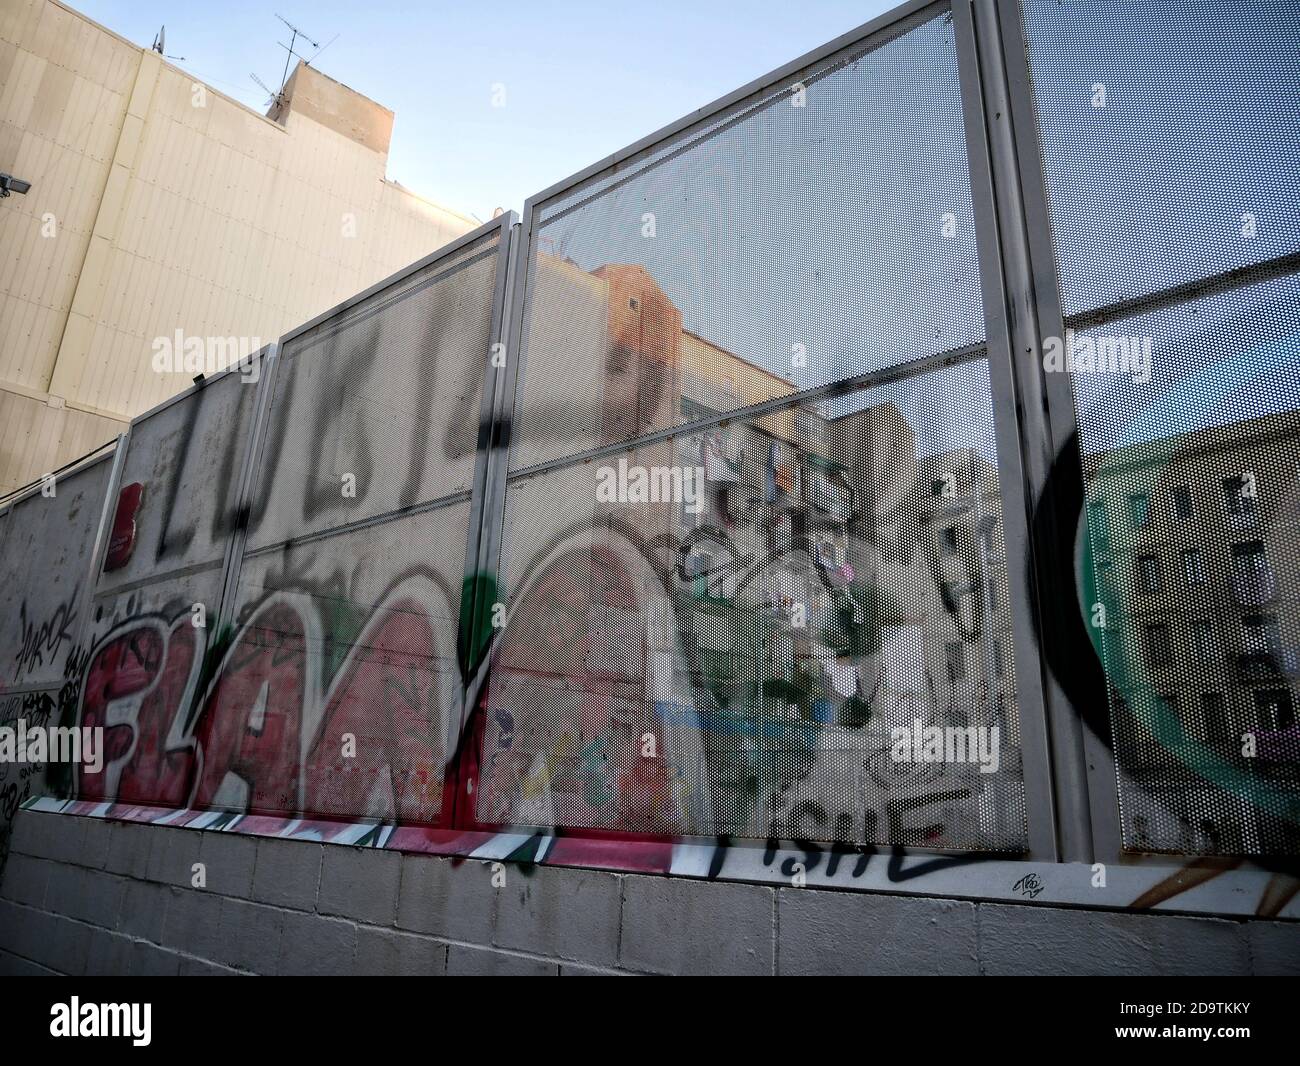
(737, 661)
(351, 636)
(1194, 506)
(1170, 188)
(162, 573)
(1170, 137)
(43, 575)
(339, 693)
(180, 482)
(813, 233)
(381, 400)
(47, 542)
(143, 662)
(721, 632)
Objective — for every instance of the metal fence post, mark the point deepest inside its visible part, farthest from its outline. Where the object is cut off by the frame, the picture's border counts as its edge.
(232, 562)
(1020, 295)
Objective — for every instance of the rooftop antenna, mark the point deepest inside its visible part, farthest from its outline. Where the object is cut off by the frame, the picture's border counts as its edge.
(289, 49)
(160, 45)
(316, 54)
(271, 94)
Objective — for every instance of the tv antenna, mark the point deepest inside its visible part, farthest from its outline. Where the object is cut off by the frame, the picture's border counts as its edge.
(160, 46)
(289, 49)
(271, 94)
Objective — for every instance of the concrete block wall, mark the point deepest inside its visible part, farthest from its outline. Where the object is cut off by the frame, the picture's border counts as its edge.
(89, 896)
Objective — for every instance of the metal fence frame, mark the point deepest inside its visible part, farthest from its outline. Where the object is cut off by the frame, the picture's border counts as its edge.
(1084, 769)
(974, 27)
(1071, 789)
(254, 472)
(982, 89)
(1099, 787)
(116, 457)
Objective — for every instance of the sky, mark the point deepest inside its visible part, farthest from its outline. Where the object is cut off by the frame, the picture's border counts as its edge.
(581, 79)
(1132, 209)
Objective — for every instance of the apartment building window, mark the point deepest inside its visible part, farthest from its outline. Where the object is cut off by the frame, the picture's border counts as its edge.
(948, 540)
(945, 487)
(1261, 653)
(1214, 712)
(1139, 509)
(956, 662)
(1193, 568)
(1252, 577)
(1263, 636)
(1239, 494)
(1159, 644)
(1250, 559)
(1183, 506)
(1150, 580)
(1274, 708)
(1203, 639)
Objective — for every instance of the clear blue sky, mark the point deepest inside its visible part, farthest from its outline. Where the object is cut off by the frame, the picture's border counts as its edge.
(582, 79)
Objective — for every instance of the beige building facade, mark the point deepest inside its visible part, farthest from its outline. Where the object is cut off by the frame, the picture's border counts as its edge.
(165, 218)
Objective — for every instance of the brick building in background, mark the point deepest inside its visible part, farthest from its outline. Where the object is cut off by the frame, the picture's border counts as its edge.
(159, 204)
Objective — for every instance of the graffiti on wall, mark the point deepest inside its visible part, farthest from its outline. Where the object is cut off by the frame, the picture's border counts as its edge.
(804, 667)
(44, 639)
(277, 729)
(379, 712)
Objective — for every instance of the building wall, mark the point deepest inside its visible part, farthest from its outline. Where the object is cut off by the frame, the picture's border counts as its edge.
(1138, 535)
(89, 896)
(157, 205)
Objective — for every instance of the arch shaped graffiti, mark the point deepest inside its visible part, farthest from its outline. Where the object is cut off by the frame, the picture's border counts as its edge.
(266, 736)
(694, 707)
